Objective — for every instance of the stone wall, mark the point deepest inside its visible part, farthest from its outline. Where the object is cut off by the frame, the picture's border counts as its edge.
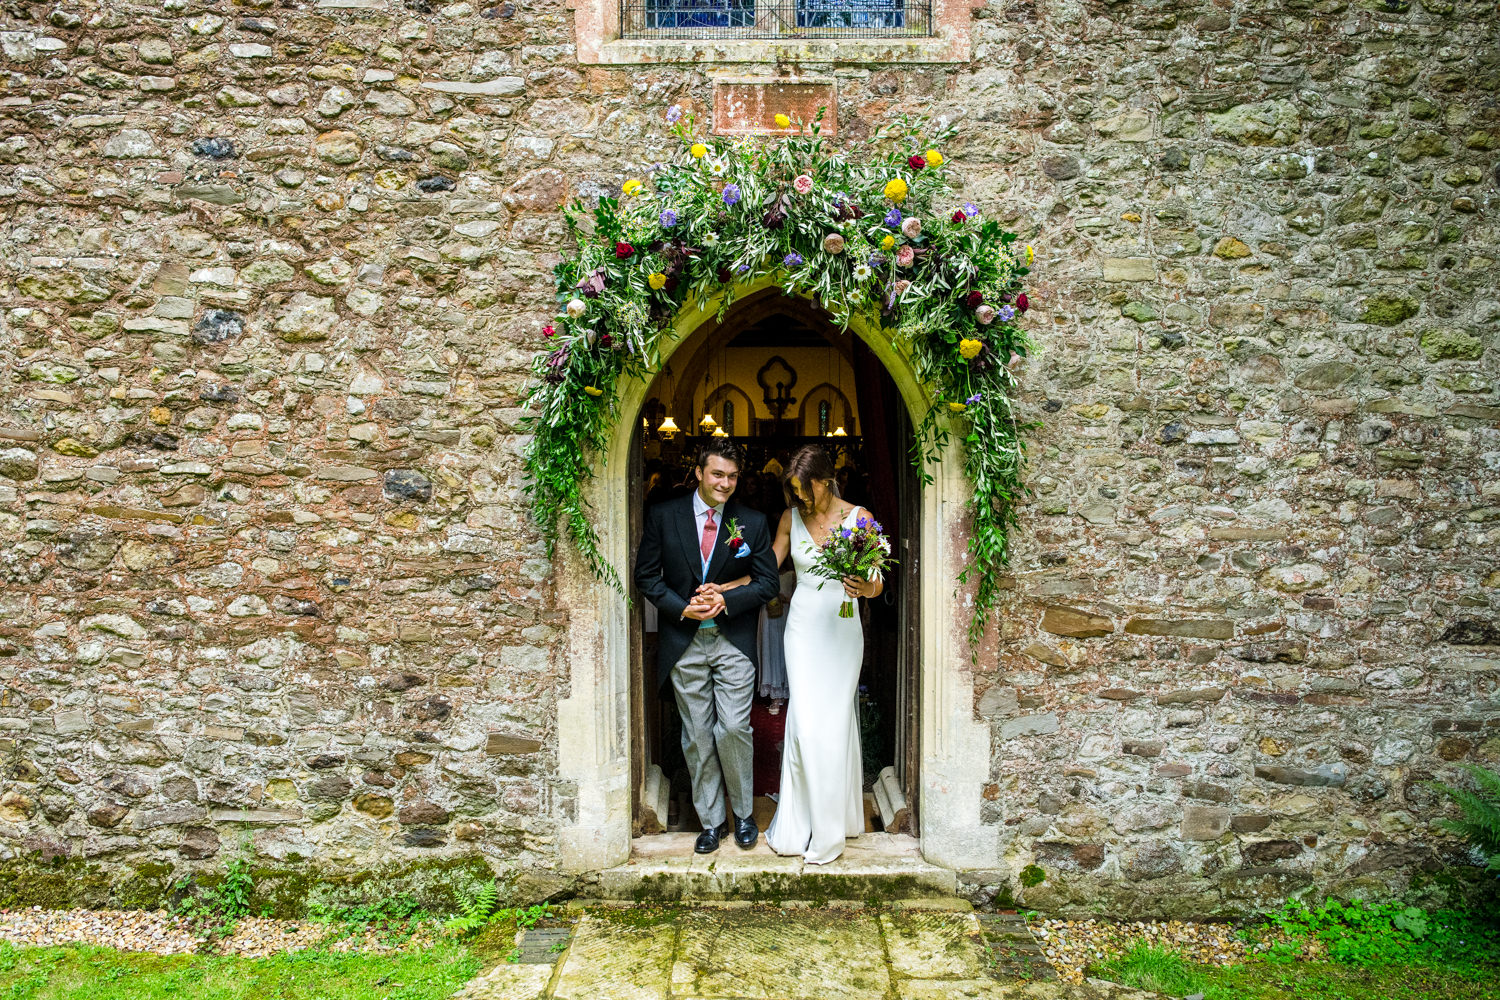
(271, 274)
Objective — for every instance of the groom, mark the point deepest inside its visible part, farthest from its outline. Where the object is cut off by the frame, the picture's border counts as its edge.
(707, 638)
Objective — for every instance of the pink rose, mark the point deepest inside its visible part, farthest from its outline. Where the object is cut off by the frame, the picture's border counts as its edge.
(803, 184)
(911, 228)
(905, 256)
(833, 243)
(901, 286)
(985, 314)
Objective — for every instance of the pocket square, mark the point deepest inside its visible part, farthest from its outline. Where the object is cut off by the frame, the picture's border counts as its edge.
(742, 551)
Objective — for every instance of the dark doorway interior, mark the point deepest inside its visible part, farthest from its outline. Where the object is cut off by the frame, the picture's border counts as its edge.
(774, 377)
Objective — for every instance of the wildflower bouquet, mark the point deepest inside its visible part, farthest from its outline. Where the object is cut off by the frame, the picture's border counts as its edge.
(861, 551)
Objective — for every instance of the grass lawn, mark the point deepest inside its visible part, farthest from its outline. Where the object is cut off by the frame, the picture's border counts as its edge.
(87, 973)
(1167, 973)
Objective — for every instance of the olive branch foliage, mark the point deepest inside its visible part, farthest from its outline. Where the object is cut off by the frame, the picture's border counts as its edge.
(723, 214)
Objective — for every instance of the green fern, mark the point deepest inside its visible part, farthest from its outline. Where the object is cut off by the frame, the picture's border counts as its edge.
(478, 910)
(1480, 824)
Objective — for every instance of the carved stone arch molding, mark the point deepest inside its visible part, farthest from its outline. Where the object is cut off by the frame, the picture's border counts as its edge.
(594, 800)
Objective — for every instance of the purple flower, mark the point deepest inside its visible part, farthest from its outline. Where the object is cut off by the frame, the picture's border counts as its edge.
(744, 268)
(846, 533)
(971, 209)
(876, 260)
(668, 218)
(972, 399)
(731, 194)
(893, 218)
(674, 115)
(793, 259)
(1006, 313)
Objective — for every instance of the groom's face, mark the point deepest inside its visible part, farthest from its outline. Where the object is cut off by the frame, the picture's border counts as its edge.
(717, 479)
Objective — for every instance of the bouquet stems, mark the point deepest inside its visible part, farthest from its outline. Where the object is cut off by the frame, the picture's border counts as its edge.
(846, 610)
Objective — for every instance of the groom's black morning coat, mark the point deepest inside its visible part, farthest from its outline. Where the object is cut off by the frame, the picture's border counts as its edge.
(669, 569)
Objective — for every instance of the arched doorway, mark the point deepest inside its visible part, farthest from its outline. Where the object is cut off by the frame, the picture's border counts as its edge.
(774, 376)
(592, 796)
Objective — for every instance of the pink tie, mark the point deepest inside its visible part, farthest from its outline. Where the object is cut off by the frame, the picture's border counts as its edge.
(710, 533)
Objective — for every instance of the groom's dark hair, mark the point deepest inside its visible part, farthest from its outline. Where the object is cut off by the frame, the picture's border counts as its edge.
(724, 448)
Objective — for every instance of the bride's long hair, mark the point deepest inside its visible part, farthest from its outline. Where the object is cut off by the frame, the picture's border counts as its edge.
(810, 462)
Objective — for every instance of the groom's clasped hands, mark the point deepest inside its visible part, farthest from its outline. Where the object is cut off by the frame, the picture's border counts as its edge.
(707, 602)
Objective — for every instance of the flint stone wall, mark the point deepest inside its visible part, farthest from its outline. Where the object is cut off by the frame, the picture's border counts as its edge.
(271, 274)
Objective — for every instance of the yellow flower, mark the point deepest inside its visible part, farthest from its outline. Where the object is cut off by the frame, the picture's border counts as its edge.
(782, 121)
(957, 407)
(888, 242)
(632, 186)
(970, 348)
(593, 391)
(895, 189)
(1030, 255)
(934, 158)
(656, 280)
(698, 150)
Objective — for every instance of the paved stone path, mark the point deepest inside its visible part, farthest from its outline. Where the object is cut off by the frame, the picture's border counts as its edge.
(913, 951)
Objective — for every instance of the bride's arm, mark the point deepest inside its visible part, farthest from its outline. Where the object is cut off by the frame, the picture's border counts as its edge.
(783, 543)
(780, 547)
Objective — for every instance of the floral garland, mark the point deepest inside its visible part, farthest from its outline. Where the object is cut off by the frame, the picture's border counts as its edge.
(868, 231)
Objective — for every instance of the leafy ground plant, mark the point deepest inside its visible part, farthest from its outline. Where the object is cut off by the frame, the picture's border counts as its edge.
(80, 973)
(1166, 972)
(214, 909)
(393, 919)
(1361, 933)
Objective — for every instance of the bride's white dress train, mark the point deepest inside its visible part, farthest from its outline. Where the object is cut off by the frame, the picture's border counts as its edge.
(822, 779)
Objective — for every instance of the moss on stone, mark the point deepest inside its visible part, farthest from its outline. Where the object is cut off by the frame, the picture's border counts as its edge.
(1451, 344)
(1388, 310)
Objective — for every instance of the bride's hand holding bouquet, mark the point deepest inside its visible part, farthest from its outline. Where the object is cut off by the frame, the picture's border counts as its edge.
(857, 557)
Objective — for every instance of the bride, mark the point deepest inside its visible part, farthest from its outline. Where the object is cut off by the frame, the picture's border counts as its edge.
(822, 780)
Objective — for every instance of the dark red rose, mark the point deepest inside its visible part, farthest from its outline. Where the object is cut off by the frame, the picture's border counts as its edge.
(623, 250)
(548, 331)
(916, 162)
(959, 217)
(974, 300)
(606, 340)
(724, 275)
(1021, 302)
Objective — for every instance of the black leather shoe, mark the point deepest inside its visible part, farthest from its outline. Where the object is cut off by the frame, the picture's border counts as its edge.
(708, 840)
(746, 833)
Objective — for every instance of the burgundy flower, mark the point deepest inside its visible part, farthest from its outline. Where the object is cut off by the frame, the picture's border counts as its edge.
(623, 250)
(592, 286)
(1021, 302)
(974, 299)
(548, 331)
(959, 217)
(916, 162)
(606, 340)
(724, 275)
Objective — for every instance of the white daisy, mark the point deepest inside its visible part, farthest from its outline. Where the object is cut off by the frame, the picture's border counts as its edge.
(862, 272)
(717, 167)
(711, 238)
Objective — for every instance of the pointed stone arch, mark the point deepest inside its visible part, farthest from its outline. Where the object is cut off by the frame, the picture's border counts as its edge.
(594, 801)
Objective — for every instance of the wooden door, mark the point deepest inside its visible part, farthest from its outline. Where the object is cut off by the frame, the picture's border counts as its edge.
(909, 665)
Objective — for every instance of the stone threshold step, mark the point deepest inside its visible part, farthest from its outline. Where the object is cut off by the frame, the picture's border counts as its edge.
(878, 868)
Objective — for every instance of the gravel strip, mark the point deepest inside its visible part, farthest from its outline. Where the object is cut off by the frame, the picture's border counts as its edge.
(159, 933)
(1073, 945)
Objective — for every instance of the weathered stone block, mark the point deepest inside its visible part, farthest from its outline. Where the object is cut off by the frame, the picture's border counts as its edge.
(1075, 623)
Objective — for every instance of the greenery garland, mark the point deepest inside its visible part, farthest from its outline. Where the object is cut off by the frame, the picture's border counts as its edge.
(870, 231)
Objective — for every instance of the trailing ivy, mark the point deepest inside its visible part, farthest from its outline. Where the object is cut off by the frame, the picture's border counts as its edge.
(871, 230)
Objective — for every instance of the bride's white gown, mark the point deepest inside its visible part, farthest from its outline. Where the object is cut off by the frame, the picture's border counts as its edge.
(821, 774)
